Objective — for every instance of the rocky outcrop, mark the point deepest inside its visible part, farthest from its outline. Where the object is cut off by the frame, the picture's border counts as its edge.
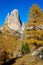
(14, 22)
(37, 27)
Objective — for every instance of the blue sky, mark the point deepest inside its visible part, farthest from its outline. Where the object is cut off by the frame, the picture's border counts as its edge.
(22, 5)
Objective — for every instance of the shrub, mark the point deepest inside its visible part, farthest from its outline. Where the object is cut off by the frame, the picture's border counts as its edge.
(25, 48)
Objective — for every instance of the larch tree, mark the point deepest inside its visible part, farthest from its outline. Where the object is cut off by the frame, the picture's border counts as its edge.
(33, 26)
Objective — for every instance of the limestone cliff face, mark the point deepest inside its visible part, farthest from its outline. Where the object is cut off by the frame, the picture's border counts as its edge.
(14, 22)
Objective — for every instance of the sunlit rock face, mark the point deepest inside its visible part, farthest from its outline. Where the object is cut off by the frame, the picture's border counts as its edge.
(14, 21)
